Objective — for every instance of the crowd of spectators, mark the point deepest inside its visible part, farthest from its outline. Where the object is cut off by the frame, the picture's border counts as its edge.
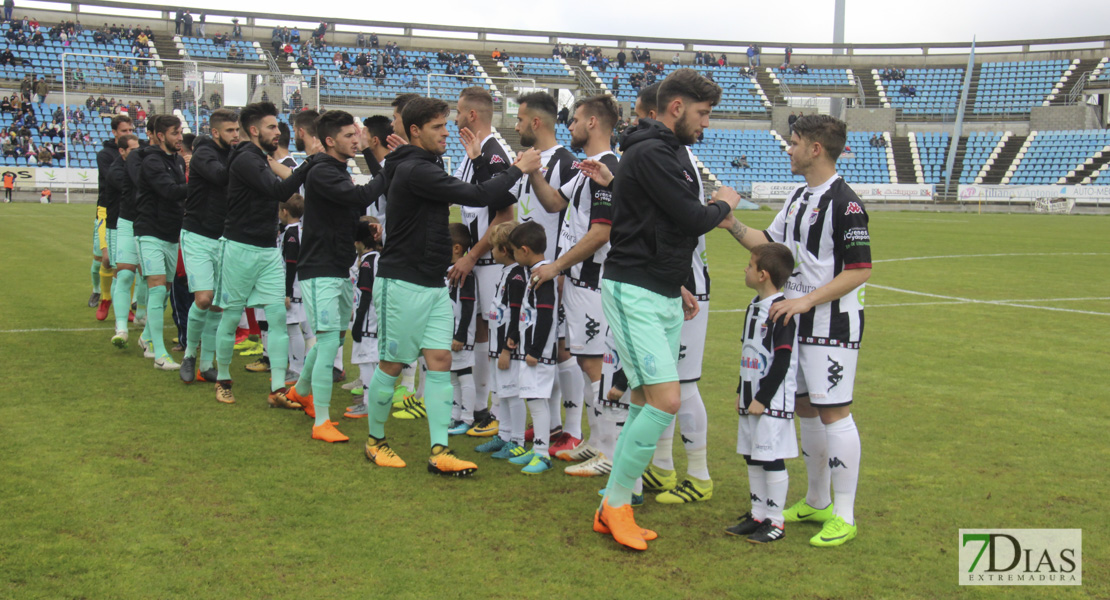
(878, 141)
(892, 74)
(799, 69)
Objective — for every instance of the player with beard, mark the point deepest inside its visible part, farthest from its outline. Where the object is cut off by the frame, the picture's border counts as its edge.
(657, 217)
(108, 216)
(201, 230)
(251, 269)
(486, 157)
(117, 172)
(160, 206)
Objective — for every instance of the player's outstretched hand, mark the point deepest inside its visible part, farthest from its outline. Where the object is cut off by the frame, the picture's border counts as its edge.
(471, 143)
(376, 228)
(528, 161)
(727, 195)
(394, 141)
(690, 306)
(596, 171)
(456, 275)
(784, 310)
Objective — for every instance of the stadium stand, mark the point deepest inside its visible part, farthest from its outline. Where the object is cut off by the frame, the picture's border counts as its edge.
(1016, 87)
(932, 151)
(935, 91)
(815, 78)
(1051, 156)
(207, 49)
(740, 94)
(979, 154)
(139, 74)
(764, 151)
(537, 67)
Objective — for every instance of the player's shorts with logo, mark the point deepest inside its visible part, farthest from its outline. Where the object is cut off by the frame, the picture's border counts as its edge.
(327, 302)
(827, 374)
(485, 279)
(585, 319)
(157, 256)
(127, 250)
(113, 241)
(766, 438)
(463, 359)
(202, 260)
(250, 276)
(365, 351)
(646, 328)
(538, 381)
(692, 340)
(411, 318)
(296, 313)
(506, 383)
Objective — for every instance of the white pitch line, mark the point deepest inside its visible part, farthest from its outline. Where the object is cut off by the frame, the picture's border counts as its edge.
(949, 302)
(76, 329)
(908, 258)
(994, 302)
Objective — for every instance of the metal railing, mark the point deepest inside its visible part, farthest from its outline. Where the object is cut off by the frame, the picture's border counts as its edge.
(585, 81)
(1076, 92)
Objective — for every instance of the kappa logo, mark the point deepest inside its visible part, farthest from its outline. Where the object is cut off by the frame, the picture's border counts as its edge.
(681, 352)
(854, 209)
(687, 175)
(537, 442)
(592, 328)
(569, 404)
(835, 462)
(755, 498)
(496, 159)
(771, 503)
(686, 440)
(834, 372)
(576, 164)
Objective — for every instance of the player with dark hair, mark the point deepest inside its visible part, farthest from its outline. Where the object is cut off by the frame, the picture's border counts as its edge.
(201, 230)
(413, 308)
(376, 132)
(304, 133)
(117, 174)
(824, 223)
(107, 216)
(160, 206)
(251, 269)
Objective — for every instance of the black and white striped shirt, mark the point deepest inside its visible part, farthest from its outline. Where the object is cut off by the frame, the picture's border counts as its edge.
(760, 377)
(494, 160)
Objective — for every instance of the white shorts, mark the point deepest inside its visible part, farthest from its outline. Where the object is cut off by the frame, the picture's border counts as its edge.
(365, 351)
(506, 383)
(692, 340)
(586, 323)
(463, 359)
(485, 278)
(295, 314)
(537, 382)
(561, 326)
(827, 374)
(766, 438)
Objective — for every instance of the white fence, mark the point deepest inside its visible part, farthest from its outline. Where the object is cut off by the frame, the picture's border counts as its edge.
(866, 191)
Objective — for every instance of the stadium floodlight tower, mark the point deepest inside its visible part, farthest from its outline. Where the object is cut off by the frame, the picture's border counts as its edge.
(836, 105)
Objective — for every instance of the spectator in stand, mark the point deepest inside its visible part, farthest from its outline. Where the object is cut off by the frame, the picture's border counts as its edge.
(741, 162)
(236, 29)
(176, 97)
(177, 21)
(46, 156)
(41, 90)
(9, 6)
(360, 41)
(188, 21)
(675, 59)
(7, 57)
(234, 55)
(793, 118)
(275, 40)
(723, 61)
(788, 52)
(200, 24)
(321, 30)
(373, 40)
(217, 101)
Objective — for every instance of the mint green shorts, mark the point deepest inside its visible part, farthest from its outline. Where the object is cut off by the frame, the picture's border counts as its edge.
(647, 328)
(158, 257)
(127, 250)
(250, 276)
(202, 260)
(328, 302)
(411, 318)
(112, 243)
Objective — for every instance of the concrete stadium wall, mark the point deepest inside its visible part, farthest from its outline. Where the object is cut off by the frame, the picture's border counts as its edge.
(1080, 116)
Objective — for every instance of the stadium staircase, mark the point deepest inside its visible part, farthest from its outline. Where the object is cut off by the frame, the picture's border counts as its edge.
(512, 138)
(491, 67)
(1005, 160)
(1096, 164)
(973, 91)
(1083, 69)
(163, 43)
(903, 159)
(772, 89)
(871, 96)
(957, 168)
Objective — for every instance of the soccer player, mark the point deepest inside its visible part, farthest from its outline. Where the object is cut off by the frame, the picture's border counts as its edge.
(300, 334)
(414, 311)
(583, 246)
(535, 122)
(464, 308)
(824, 223)
(129, 245)
(487, 158)
(107, 213)
(124, 205)
(377, 130)
(765, 395)
(333, 205)
(364, 330)
(251, 269)
(160, 207)
(201, 230)
(657, 217)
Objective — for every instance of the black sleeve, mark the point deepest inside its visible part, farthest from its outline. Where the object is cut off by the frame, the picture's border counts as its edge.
(434, 185)
(161, 182)
(257, 175)
(545, 317)
(371, 162)
(769, 383)
(208, 166)
(290, 251)
(466, 308)
(366, 298)
(620, 380)
(337, 186)
(517, 288)
(674, 198)
(851, 239)
(104, 160)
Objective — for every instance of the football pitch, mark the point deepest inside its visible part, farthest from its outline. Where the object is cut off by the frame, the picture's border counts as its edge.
(980, 399)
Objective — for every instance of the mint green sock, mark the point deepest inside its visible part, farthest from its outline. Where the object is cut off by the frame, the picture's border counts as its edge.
(198, 317)
(225, 341)
(121, 291)
(208, 340)
(304, 384)
(379, 399)
(630, 461)
(142, 293)
(155, 317)
(95, 272)
(327, 345)
(438, 394)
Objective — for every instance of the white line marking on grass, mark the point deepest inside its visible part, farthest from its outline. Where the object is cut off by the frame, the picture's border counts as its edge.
(76, 329)
(994, 302)
(960, 301)
(884, 219)
(908, 258)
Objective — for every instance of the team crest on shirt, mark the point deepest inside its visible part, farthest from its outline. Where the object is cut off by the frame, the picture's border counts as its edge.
(854, 208)
(496, 158)
(763, 329)
(813, 214)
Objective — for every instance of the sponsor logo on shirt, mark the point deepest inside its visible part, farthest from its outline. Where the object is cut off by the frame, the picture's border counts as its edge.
(495, 159)
(854, 208)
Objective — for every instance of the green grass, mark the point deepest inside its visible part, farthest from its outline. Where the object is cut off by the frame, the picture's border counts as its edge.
(117, 481)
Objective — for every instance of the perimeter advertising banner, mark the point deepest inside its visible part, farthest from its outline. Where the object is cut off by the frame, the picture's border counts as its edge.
(1082, 194)
(866, 191)
(58, 178)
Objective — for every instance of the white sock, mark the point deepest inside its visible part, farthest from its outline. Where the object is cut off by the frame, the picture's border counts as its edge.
(338, 362)
(541, 424)
(516, 415)
(423, 376)
(296, 348)
(757, 486)
(264, 336)
(570, 383)
(777, 482)
(504, 431)
(664, 451)
(844, 454)
(465, 391)
(694, 428)
(638, 489)
(481, 376)
(555, 403)
(815, 452)
(456, 398)
(590, 406)
(408, 376)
